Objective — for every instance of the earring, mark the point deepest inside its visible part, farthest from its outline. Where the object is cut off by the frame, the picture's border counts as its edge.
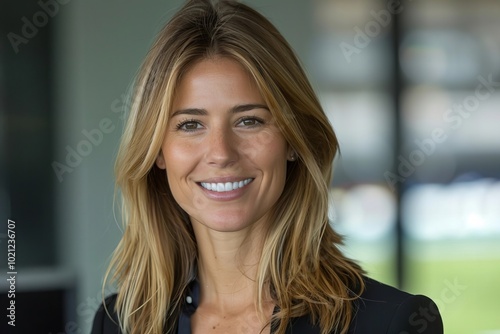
(293, 156)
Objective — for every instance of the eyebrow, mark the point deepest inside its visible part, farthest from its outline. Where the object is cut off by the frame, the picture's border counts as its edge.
(236, 109)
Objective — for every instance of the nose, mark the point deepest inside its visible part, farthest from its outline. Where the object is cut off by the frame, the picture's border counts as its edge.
(221, 148)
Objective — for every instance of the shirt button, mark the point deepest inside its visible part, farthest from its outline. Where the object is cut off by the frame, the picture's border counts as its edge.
(189, 300)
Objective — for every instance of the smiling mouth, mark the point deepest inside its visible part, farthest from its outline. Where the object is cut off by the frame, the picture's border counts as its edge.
(225, 186)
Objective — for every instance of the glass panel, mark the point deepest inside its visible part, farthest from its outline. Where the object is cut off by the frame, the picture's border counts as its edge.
(350, 59)
(365, 129)
(451, 207)
(365, 214)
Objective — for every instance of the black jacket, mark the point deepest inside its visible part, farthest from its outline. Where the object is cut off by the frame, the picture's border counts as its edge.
(380, 310)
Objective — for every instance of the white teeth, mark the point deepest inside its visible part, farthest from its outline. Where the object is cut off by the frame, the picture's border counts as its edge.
(228, 186)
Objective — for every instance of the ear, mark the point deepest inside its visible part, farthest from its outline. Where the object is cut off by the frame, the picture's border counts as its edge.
(160, 161)
(291, 155)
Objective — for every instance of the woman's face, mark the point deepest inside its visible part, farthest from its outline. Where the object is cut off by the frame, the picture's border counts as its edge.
(223, 153)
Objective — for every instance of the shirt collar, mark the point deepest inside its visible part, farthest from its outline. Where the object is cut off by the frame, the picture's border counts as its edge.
(191, 301)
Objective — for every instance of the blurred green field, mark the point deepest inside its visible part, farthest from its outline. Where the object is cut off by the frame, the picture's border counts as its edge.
(473, 307)
(462, 277)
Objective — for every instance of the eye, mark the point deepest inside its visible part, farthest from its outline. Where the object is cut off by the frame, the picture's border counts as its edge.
(189, 125)
(250, 122)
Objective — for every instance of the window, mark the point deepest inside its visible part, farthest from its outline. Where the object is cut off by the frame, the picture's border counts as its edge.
(413, 94)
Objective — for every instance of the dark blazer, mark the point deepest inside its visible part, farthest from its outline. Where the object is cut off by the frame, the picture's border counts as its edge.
(381, 309)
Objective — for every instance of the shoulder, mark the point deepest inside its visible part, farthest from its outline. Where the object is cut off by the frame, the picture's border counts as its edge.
(105, 319)
(385, 309)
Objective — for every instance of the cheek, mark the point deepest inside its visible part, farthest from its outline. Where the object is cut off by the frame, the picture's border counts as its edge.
(180, 157)
(180, 160)
(177, 154)
(268, 142)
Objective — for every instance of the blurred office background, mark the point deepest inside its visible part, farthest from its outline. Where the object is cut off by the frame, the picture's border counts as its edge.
(412, 89)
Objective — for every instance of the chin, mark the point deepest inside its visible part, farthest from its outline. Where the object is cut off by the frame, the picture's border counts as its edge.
(225, 225)
(225, 222)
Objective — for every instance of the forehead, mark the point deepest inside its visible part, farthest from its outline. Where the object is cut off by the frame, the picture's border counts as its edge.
(219, 81)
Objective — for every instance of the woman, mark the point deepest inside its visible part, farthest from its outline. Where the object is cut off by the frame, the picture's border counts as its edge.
(224, 169)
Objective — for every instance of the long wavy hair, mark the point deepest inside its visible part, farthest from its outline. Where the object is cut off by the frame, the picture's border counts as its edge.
(301, 265)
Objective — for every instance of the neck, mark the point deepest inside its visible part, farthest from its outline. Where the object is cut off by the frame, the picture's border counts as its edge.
(227, 266)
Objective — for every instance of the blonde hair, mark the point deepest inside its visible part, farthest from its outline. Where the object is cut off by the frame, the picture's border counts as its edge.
(300, 264)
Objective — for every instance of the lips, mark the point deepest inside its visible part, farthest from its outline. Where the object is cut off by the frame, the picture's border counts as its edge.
(225, 186)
